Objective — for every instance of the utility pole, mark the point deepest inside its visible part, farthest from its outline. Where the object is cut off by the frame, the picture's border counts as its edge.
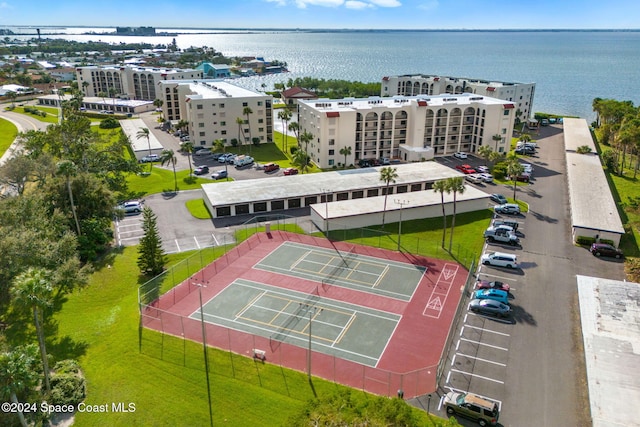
(402, 203)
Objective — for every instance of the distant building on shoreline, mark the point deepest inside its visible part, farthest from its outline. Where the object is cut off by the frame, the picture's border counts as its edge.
(521, 94)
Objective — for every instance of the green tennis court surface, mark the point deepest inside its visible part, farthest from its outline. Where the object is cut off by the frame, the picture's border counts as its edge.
(349, 331)
(360, 272)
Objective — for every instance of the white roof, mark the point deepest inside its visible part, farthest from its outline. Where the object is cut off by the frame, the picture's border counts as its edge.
(286, 187)
(131, 127)
(592, 205)
(215, 89)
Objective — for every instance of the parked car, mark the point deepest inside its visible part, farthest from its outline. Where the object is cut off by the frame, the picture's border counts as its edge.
(500, 222)
(500, 259)
(150, 158)
(474, 178)
(604, 249)
(202, 152)
(527, 151)
(270, 167)
(523, 177)
(485, 284)
(290, 171)
(132, 206)
(201, 170)
(498, 198)
(222, 158)
(472, 406)
(219, 174)
(494, 294)
(544, 122)
(460, 155)
(482, 169)
(242, 161)
(508, 209)
(486, 177)
(489, 306)
(364, 163)
(501, 234)
(231, 158)
(466, 169)
(384, 161)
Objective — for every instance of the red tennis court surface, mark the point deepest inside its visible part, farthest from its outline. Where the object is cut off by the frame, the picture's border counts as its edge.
(409, 361)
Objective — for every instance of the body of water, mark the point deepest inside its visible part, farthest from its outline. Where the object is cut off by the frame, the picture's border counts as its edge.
(570, 68)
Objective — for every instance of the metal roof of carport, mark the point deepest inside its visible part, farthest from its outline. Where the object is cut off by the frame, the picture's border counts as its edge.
(287, 187)
(592, 204)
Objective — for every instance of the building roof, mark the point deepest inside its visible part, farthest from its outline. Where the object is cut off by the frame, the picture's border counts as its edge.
(298, 92)
(215, 89)
(131, 127)
(592, 205)
(610, 318)
(287, 187)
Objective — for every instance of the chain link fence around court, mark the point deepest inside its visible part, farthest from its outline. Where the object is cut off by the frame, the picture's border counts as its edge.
(242, 348)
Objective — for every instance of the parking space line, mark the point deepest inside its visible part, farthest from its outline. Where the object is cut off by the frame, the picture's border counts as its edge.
(196, 240)
(130, 238)
(177, 245)
(484, 344)
(480, 359)
(486, 330)
(508, 279)
(215, 240)
(477, 376)
(495, 319)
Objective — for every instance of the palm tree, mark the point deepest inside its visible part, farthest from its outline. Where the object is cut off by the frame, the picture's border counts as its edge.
(18, 374)
(182, 124)
(496, 138)
(495, 157)
(247, 111)
(525, 137)
(345, 151)
(219, 145)
(295, 128)
(285, 115)
(68, 169)
(32, 290)
(187, 147)
(514, 170)
(485, 151)
(12, 96)
(454, 185)
(388, 175)
(301, 159)
(169, 157)
(306, 137)
(241, 137)
(442, 187)
(145, 133)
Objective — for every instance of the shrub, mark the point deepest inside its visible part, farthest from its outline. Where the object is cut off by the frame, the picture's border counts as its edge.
(499, 170)
(585, 241)
(293, 150)
(68, 386)
(607, 241)
(583, 149)
(609, 160)
(109, 123)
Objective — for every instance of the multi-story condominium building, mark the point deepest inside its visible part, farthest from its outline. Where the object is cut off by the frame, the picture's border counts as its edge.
(212, 109)
(409, 128)
(130, 82)
(521, 94)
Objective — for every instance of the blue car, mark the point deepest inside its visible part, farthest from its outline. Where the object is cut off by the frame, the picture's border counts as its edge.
(493, 294)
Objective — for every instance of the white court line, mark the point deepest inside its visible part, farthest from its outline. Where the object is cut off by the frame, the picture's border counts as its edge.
(215, 240)
(477, 376)
(196, 240)
(177, 245)
(480, 359)
(299, 260)
(486, 330)
(344, 329)
(481, 343)
(380, 276)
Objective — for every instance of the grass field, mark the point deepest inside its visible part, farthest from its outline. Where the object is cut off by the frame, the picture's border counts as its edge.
(162, 181)
(8, 132)
(51, 117)
(198, 209)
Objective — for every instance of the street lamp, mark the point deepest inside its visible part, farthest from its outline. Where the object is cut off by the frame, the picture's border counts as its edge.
(428, 403)
(326, 192)
(312, 311)
(204, 348)
(402, 203)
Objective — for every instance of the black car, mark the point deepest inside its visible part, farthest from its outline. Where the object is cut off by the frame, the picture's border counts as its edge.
(201, 170)
(604, 249)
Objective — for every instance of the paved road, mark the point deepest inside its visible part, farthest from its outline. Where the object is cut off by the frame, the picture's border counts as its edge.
(531, 364)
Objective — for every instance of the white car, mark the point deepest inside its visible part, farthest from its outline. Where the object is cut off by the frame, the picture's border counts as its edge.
(486, 177)
(482, 169)
(500, 259)
(473, 178)
(460, 155)
(131, 207)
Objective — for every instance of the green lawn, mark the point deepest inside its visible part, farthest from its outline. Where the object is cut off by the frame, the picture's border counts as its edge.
(8, 133)
(161, 181)
(198, 209)
(51, 117)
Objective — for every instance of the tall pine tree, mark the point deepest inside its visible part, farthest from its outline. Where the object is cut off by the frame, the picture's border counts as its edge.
(151, 259)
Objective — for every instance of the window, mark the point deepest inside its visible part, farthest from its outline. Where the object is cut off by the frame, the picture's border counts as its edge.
(332, 142)
(242, 209)
(294, 203)
(221, 105)
(330, 161)
(343, 196)
(357, 194)
(260, 120)
(332, 152)
(260, 207)
(199, 107)
(277, 205)
(223, 123)
(506, 112)
(401, 189)
(223, 211)
(202, 134)
(200, 125)
(372, 193)
(223, 132)
(244, 104)
(259, 103)
(416, 187)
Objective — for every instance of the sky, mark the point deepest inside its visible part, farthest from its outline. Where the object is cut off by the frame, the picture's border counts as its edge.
(330, 14)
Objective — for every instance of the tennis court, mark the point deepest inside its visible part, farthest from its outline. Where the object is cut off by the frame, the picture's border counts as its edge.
(351, 332)
(347, 269)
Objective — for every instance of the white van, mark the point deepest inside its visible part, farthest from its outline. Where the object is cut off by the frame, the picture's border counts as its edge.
(500, 259)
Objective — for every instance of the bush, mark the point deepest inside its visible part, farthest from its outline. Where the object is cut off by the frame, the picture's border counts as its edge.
(607, 241)
(109, 123)
(585, 241)
(68, 386)
(293, 150)
(499, 170)
(609, 160)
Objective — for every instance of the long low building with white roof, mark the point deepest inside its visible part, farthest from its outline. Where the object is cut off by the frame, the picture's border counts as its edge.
(278, 194)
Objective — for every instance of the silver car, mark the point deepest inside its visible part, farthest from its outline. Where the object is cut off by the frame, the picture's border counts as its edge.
(131, 207)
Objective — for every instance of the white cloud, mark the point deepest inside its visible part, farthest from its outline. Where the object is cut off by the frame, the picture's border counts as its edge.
(302, 4)
(356, 4)
(278, 2)
(386, 3)
(429, 5)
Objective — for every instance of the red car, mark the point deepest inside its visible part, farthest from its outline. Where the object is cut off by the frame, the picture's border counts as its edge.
(485, 284)
(269, 167)
(466, 169)
(290, 171)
